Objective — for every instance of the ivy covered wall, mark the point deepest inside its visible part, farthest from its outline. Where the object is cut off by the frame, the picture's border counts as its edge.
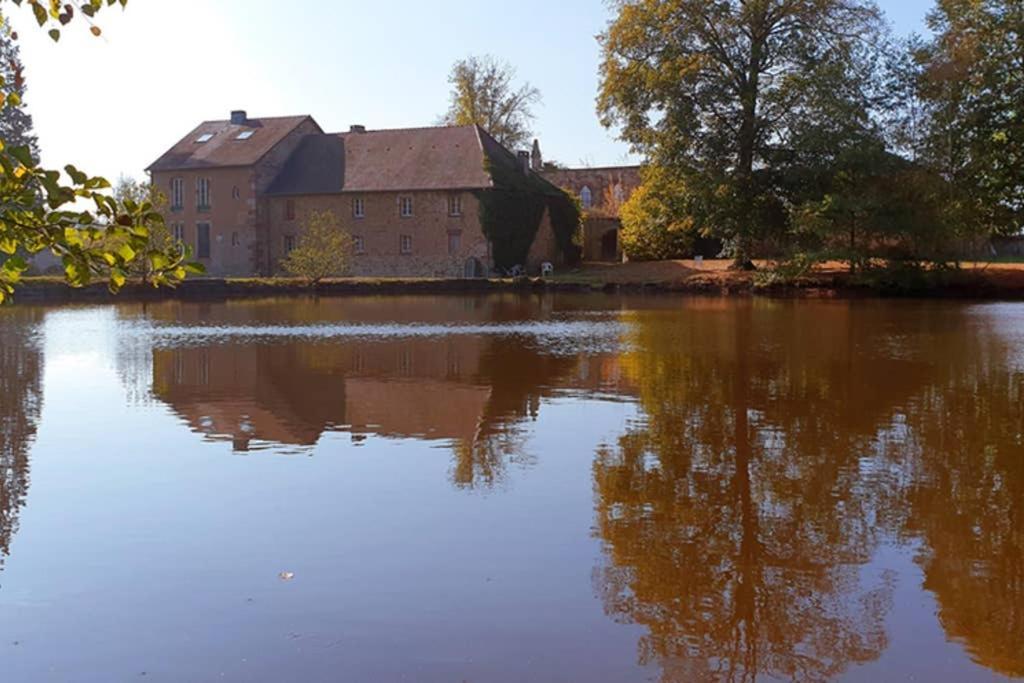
(512, 211)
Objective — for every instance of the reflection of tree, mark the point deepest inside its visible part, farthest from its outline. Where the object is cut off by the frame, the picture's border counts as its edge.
(967, 502)
(778, 445)
(734, 514)
(518, 376)
(20, 403)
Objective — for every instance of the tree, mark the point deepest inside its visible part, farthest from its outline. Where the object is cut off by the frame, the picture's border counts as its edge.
(969, 80)
(15, 122)
(72, 214)
(130, 191)
(655, 223)
(483, 94)
(719, 92)
(324, 249)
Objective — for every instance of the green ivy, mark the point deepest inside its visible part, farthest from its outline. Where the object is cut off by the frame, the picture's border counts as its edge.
(511, 214)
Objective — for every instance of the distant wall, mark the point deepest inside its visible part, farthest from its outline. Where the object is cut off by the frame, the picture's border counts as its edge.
(1008, 246)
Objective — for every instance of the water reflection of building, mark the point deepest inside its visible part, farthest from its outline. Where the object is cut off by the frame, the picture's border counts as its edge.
(473, 391)
(21, 370)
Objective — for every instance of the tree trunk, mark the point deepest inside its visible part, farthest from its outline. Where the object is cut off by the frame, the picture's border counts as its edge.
(747, 144)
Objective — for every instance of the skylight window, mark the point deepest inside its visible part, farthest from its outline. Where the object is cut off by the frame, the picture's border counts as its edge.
(205, 137)
(245, 135)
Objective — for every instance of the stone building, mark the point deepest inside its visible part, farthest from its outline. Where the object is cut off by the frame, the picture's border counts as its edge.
(240, 191)
(602, 192)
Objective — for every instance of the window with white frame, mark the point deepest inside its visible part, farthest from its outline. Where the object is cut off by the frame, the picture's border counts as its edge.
(586, 197)
(405, 207)
(178, 232)
(289, 244)
(358, 245)
(203, 194)
(405, 244)
(358, 207)
(455, 205)
(177, 194)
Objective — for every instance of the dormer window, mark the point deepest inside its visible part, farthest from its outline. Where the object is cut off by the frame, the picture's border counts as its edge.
(245, 135)
(205, 137)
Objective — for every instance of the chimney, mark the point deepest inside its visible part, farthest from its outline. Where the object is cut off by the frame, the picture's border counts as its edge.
(357, 129)
(536, 160)
(524, 161)
(239, 117)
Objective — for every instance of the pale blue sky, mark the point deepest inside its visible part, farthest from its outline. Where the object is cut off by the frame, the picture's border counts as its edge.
(381, 64)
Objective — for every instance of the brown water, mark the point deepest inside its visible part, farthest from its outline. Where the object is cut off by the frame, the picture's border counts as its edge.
(512, 488)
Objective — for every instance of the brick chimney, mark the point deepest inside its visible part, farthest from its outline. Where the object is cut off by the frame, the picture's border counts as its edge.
(357, 129)
(524, 161)
(239, 117)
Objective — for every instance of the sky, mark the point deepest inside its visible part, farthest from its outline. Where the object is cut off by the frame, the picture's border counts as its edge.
(112, 105)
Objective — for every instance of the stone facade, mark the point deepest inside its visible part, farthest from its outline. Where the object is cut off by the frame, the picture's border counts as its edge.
(439, 244)
(602, 192)
(608, 188)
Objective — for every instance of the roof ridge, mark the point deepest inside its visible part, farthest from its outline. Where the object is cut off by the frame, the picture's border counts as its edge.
(403, 130)
(260, 118)
(595, 168)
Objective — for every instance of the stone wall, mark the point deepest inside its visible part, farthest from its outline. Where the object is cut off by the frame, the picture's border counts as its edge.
(264, 174)
(602, 183)
(231, 216)
(442, 244)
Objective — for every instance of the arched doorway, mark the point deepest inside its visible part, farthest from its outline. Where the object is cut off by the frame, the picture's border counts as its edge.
(610, 245)
(473, 268)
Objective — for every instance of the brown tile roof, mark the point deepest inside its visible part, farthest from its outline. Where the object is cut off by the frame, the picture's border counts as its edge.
(409, 159)
(224, 149)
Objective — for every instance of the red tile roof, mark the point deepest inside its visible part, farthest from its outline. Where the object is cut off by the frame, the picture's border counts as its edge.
(224, 149)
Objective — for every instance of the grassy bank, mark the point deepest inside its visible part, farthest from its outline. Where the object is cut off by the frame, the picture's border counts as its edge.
(991, 281)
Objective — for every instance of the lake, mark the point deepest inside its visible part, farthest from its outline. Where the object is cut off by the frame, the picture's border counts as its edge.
(514, 487)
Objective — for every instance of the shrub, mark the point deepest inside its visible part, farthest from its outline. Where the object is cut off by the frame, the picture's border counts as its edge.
(324, 249)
